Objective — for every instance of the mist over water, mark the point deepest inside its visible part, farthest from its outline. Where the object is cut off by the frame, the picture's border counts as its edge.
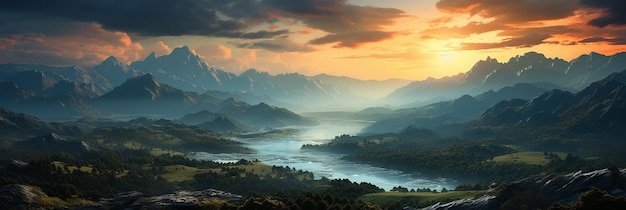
(285, 151)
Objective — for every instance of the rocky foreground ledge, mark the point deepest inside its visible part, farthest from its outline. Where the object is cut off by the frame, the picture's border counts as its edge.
(178, 200)
(545, 189)
(25, 197)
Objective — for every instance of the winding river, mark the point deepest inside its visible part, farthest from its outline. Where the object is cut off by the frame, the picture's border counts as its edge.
(285, 151)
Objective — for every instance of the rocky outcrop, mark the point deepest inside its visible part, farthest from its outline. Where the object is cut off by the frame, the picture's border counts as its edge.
(178, 200)
(17, 196)
(546, 190)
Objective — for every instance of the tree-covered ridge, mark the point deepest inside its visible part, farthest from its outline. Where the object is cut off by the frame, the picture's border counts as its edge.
(470, 160)
(172, 136)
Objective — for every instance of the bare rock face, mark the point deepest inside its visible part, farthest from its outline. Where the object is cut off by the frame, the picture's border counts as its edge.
(17, 196)
(178, 200)
(547, 189)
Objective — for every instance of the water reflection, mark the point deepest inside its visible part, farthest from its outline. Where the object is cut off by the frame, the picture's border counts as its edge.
(285, 151)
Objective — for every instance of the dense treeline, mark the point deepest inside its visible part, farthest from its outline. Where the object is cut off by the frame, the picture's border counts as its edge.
(173, 136)
(461, 159)
(410, 138)
(304, 200)
(101, 174)
(468, 162)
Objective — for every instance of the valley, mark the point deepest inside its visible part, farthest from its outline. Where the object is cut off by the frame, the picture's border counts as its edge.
(172, 123)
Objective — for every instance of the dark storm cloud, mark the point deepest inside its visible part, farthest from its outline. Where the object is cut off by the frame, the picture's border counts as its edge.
(147, 18)
(518, 11)
(218, 18)
(613, 12)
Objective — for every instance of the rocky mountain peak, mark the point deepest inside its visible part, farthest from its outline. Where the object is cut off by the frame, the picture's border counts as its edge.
(111, 61)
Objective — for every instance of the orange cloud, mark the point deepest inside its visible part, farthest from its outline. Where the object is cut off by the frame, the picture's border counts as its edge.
(82, 43)
(519, 11)
(214, 52)
(159, 48)
(353, 39)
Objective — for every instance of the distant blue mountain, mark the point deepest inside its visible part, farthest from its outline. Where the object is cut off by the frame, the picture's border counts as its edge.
(531, 67)
(600, 106)
(441, 115)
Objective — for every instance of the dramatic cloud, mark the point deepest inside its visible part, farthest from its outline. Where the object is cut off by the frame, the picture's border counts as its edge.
(518, 42)
(464, 31)
(158, 48)
(147, 18)
(252, 35)
(230, 19)
(440, 21)
(613, 12)
(610, 35)
(76, 43)
(521, 38)
(214, 52)
(281, 44)
(519, 11)
(525, 23)
(353, 39)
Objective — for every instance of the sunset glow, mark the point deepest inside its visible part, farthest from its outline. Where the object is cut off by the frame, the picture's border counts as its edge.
(357, 38)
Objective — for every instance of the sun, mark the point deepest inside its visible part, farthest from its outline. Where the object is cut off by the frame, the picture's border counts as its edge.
(446, 57)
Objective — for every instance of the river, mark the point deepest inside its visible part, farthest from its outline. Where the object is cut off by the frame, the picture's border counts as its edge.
(285, 151)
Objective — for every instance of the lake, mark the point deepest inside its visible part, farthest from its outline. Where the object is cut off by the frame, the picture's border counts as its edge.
(285, 151)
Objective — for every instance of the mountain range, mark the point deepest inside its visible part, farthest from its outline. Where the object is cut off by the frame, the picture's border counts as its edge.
(184, 70)
(532, 67)
(600, 106)
(441, 115)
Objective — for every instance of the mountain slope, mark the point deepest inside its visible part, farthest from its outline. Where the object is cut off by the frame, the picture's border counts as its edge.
(115, 71)
(18, 126)
(442, 114)
(145, 95)
(370, 89)
(222, 123)
(597, 107)
(185, 70)
(543, 191)
(531, 67)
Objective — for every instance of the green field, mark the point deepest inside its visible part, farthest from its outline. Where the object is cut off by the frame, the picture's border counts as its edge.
(70, 168)
(532, 158)
(178, 173)
(422, 197)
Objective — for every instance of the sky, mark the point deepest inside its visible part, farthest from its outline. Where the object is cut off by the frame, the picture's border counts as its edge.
(364, 39)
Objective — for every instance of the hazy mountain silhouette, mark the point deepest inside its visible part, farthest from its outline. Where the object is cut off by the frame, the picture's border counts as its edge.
(222, 123)
(531, 67)
(599, 106)
(47, 98)
(115, 71)
(53, 142)
(442, 114)
(34, 80)
(260, 115)
(19, 126)
(370, 89)
(145, 95)
(184, 70)
(198, 117)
